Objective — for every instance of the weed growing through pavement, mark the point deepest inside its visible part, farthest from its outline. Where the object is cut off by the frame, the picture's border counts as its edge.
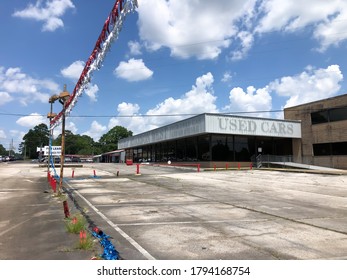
(86, 241)
(75, 223)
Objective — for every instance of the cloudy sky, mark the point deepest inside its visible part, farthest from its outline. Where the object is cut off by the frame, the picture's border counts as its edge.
(173, 59)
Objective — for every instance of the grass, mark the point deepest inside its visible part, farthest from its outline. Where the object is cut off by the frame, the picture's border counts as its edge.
(75, 224)
(86, 242)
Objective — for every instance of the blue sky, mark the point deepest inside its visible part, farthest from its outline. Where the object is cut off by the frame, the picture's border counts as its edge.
(173, 58)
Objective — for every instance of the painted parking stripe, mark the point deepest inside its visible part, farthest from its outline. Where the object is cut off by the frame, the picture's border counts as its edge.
(116, 228)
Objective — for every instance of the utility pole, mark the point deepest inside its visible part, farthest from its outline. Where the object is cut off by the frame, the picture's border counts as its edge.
(10, 148)
(63, 97)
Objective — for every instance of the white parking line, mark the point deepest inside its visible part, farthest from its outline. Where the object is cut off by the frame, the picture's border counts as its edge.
(115, 227)
(15, 226)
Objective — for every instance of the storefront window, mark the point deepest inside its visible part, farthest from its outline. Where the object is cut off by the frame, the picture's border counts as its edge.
(283, 147)
(242, 149)
(192, 149)
(171, 150)
(204, 148)
(220, 148)
(180, 149)
(158, 152)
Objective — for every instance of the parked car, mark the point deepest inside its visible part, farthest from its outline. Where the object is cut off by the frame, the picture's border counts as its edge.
(68, 159)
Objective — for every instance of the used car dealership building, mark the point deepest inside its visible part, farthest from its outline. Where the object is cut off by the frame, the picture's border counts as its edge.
(313, 133)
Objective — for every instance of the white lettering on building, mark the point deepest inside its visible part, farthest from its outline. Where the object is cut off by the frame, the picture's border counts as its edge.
(255, 127)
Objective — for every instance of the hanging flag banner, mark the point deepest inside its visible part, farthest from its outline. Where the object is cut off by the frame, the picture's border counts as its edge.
(109, 33)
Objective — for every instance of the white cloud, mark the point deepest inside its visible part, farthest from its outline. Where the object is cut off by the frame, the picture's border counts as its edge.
(199, 28)
(200, 99)
(91, 92)
(49, 12)
(2, 134)
(96, 130)
(69, 125)
(73, 71)
(310, 85)
(17, 134)
(226, 77)
(32, 120)
(246, 42)
(135, 48)
(5, 98)
(326, 18)
(203, 29)
(135, 123)
(24, 88)
(134, 70)
(253, 100)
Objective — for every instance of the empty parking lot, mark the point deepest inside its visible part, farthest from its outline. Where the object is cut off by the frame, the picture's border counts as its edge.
(174, 213)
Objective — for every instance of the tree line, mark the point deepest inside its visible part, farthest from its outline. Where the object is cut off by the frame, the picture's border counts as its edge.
(75, 144)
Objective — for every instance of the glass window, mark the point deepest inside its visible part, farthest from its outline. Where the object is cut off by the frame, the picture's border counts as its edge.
(220, 149)
(204, 147)
(338, 114)
(339, 149)
(319, 117)
(283, 147)
(192, 149)
(180, 149)
(171, 150)
(322, 149)
(242, 151)
(158, 152)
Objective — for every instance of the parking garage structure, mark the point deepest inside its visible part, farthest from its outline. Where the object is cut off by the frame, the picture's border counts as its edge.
(212, 140)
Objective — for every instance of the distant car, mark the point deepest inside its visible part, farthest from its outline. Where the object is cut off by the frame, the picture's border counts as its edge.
(68, 159)
(76, 159)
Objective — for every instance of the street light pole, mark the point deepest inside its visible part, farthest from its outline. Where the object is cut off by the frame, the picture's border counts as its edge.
(50, 116)
(63, 97)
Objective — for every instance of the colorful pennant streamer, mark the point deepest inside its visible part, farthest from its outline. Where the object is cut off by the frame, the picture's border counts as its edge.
(109, 33)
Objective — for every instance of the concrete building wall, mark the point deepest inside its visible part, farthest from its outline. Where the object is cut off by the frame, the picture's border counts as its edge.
(320, 133)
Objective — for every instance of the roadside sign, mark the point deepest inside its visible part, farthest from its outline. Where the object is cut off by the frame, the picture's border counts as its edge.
(56, 150)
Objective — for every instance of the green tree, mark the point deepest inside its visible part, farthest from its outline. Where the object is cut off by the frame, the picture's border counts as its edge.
(77, 144)
(36, 137)
(21, 149)
(109, 141)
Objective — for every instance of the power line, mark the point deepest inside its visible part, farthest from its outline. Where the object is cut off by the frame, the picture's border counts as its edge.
(177, 115)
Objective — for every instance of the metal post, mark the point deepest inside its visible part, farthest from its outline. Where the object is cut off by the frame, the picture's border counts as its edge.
(63, 97)
(51, 115)
(50, 136)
